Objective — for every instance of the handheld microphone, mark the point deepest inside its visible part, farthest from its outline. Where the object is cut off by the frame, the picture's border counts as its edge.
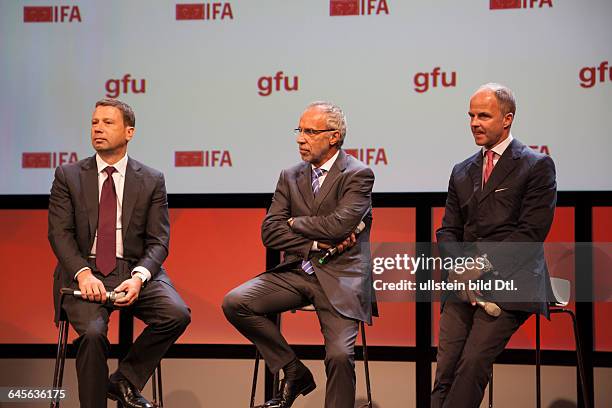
(111, 297)
(489, 307)
(332, 251)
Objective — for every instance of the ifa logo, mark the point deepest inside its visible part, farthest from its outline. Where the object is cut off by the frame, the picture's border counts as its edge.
(279, 82)
(51, 14)
(518, 4)
(116, 87)
(370, 155)
(588, 75)
(423, 81)
(541, 149)
(203, 158)
(204, 11)
(358, 7)
(47, 160)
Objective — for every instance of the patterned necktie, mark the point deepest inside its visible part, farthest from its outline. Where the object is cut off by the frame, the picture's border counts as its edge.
(489, 166)
(316, 186)
(106, 244)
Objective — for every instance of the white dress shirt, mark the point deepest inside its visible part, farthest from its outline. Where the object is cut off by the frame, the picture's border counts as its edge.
(119, 180)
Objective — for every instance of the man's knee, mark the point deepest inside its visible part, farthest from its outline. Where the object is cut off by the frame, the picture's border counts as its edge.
(340, 356)
(232, 304)
(94, 335)
(179, 317)
(474, 364)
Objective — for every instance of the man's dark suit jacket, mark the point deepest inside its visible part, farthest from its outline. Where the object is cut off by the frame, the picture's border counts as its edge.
(73, 219)
(517, 206)
(342, 202)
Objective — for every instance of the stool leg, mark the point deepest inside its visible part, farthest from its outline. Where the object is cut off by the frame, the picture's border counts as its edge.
(538, 364)
(365, 364)
(255, 374)
(491, 389)
(581, 372)
(160, 403)
(60, 358)
(154, 387)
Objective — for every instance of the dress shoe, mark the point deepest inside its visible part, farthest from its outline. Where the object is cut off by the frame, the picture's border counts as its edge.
(126, 394)
(290, 389)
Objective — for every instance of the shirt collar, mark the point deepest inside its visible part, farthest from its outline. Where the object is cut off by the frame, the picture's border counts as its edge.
(120, 166)
(328, 164)
(500, 148)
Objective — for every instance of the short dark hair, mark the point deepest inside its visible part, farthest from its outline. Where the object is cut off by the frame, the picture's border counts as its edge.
(504, 96)
(129, 119)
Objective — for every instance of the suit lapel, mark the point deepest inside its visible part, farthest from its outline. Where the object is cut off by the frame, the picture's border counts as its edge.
(131, 189)
(475, 172)
(89, 181)
(304, 184)
(505, 165)
(330, 180)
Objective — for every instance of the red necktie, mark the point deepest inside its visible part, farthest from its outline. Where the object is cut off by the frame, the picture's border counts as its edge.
(106, 245)
(489, 166)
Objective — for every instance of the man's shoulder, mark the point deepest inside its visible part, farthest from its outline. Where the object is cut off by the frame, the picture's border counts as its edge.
(75, 167)
(529, 155)
(465, 163)
(139, 166)
(296, 168)
(353, 164)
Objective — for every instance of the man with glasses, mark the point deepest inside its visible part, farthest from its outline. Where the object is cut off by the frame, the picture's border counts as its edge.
(317, 205)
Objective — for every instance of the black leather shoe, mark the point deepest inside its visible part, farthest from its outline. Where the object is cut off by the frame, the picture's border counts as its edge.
(126, 394)
(290, 390)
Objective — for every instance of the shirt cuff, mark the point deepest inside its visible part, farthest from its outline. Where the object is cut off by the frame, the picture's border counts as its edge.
(315, 246)
(79, 271)
(142, 270)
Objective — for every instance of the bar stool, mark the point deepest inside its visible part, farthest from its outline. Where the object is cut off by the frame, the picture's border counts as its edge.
(60, 359)
(561, 290)
(311, 308)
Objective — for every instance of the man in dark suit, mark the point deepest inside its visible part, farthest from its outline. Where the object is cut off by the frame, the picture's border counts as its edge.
(501, 200)
(317, 205)
(109, 229)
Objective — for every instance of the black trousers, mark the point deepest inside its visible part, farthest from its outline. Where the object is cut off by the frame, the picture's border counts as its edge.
(470, 340)
(159, 306)
(275, 292)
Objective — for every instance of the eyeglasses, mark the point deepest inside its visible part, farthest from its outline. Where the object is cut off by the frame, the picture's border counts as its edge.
(312, 132)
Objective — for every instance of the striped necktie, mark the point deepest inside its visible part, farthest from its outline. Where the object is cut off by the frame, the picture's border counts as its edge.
(316, 186)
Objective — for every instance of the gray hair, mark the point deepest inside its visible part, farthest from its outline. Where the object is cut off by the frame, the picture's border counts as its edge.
(504, 96)
(335, 117)
(129, 119)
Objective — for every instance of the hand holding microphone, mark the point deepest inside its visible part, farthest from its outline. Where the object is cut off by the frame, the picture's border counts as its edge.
(111, 297)
(341, 247)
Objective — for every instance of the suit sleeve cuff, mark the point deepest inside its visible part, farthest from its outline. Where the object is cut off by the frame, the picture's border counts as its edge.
(79, 271)
(143, 271)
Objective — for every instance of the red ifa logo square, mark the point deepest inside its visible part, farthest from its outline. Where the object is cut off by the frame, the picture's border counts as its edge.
(344, 7)
(189, 159)
(37, 14)
(36, 160)
(190, 11)
(504, 4)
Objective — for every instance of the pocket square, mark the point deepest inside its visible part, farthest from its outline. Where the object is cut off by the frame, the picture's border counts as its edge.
(501, 189)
